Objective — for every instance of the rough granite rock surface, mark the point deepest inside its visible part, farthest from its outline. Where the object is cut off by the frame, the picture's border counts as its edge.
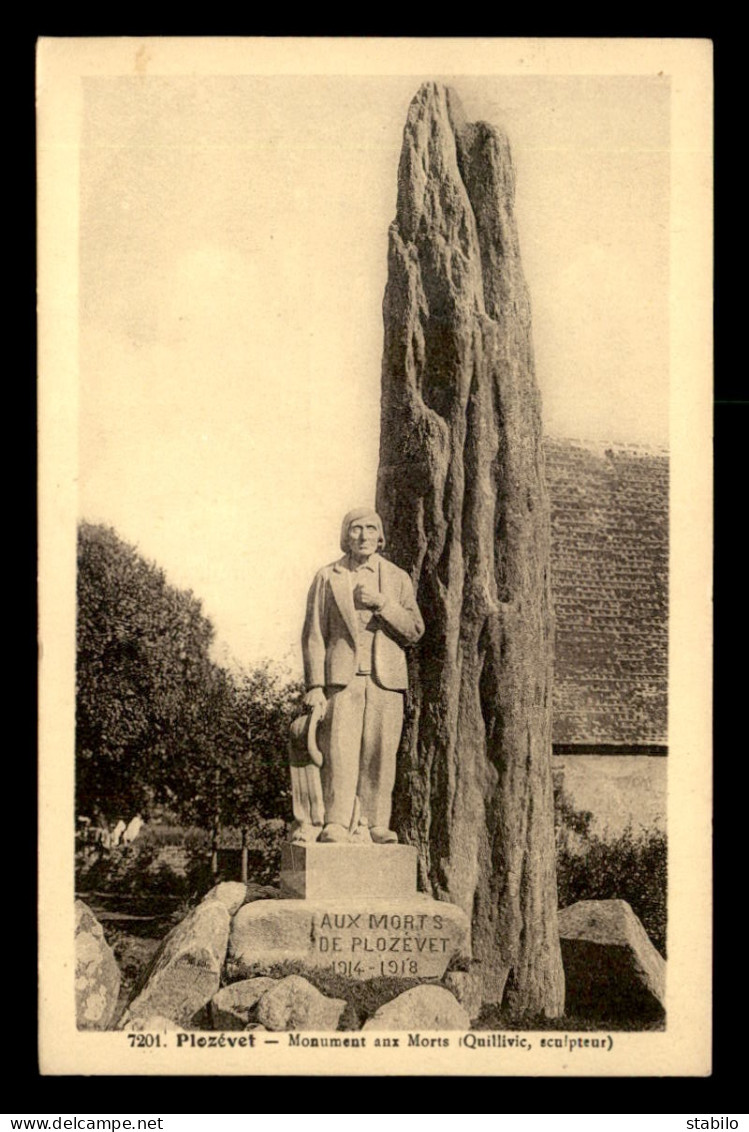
(294, 1004)
(185, 972)
(153, 1023)
(232, 1006)
(462, 492)
(421, 1008)
(232, 894)
(264, 934)
(97, 976)
(613, 970)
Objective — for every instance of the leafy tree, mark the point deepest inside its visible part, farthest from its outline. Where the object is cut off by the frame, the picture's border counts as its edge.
(268, 699)
(242, 730)
(146, 687)
(157, 721)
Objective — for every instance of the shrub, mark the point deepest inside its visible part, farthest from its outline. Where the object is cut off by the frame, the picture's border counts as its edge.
(174, 862)
(164, 861)
(265, 837)
(121, 869)
(264, 865)
(631, 867)
(160, 835)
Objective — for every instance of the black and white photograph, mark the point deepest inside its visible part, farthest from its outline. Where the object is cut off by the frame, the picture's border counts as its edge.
(375, 594)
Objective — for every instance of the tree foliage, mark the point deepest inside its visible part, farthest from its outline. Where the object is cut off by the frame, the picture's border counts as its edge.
(157, 721)
(631, 866)
(268, 700)
(143, 676)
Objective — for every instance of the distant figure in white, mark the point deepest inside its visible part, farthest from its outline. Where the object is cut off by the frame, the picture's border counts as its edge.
(361, 613)
(117, 832)
(123, 833)
(133, 829)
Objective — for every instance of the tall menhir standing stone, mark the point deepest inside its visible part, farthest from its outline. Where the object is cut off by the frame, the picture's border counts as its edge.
(461, 489)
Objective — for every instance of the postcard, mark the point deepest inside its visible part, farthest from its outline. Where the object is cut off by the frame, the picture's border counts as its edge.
(375, 405)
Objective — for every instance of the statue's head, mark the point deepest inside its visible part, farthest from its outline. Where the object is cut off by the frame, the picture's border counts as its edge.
(361, 531)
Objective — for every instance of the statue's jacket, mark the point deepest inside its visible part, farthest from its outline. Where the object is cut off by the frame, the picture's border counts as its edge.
(330, 627)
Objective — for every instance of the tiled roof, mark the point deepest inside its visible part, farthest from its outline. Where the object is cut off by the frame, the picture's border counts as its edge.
(609, 514)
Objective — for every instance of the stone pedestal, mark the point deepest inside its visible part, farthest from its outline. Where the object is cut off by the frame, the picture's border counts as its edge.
(362, 938)
(353, 909)
(324, 872)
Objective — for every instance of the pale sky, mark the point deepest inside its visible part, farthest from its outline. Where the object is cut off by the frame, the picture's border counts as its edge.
(233, 260)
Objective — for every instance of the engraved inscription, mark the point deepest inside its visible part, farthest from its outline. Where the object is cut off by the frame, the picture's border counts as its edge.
(377, 944)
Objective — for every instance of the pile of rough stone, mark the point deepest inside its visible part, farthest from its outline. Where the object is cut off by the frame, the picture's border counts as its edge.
(612, 971)
(188, 984)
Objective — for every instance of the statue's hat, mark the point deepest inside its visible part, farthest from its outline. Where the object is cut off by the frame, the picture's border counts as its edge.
(303, 748)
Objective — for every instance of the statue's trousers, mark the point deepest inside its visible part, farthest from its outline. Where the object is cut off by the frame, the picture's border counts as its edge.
(359, 737)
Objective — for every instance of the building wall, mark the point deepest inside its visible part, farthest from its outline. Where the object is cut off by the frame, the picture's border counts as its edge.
(609, 514)
(619, 790)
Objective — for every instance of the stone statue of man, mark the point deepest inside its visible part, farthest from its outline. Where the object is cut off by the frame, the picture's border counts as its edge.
(361, 613)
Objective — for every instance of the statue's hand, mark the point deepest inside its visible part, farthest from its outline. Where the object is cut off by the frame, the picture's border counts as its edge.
(315, 699)
(369, 597)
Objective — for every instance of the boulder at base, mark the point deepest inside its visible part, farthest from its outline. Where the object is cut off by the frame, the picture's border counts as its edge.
(422, 1008)
(231, 1006)
(153, 1024)
(611, 968)
(97, 976)
(231, 893)
(186, 970)
(294, 1004)
(363, 938)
